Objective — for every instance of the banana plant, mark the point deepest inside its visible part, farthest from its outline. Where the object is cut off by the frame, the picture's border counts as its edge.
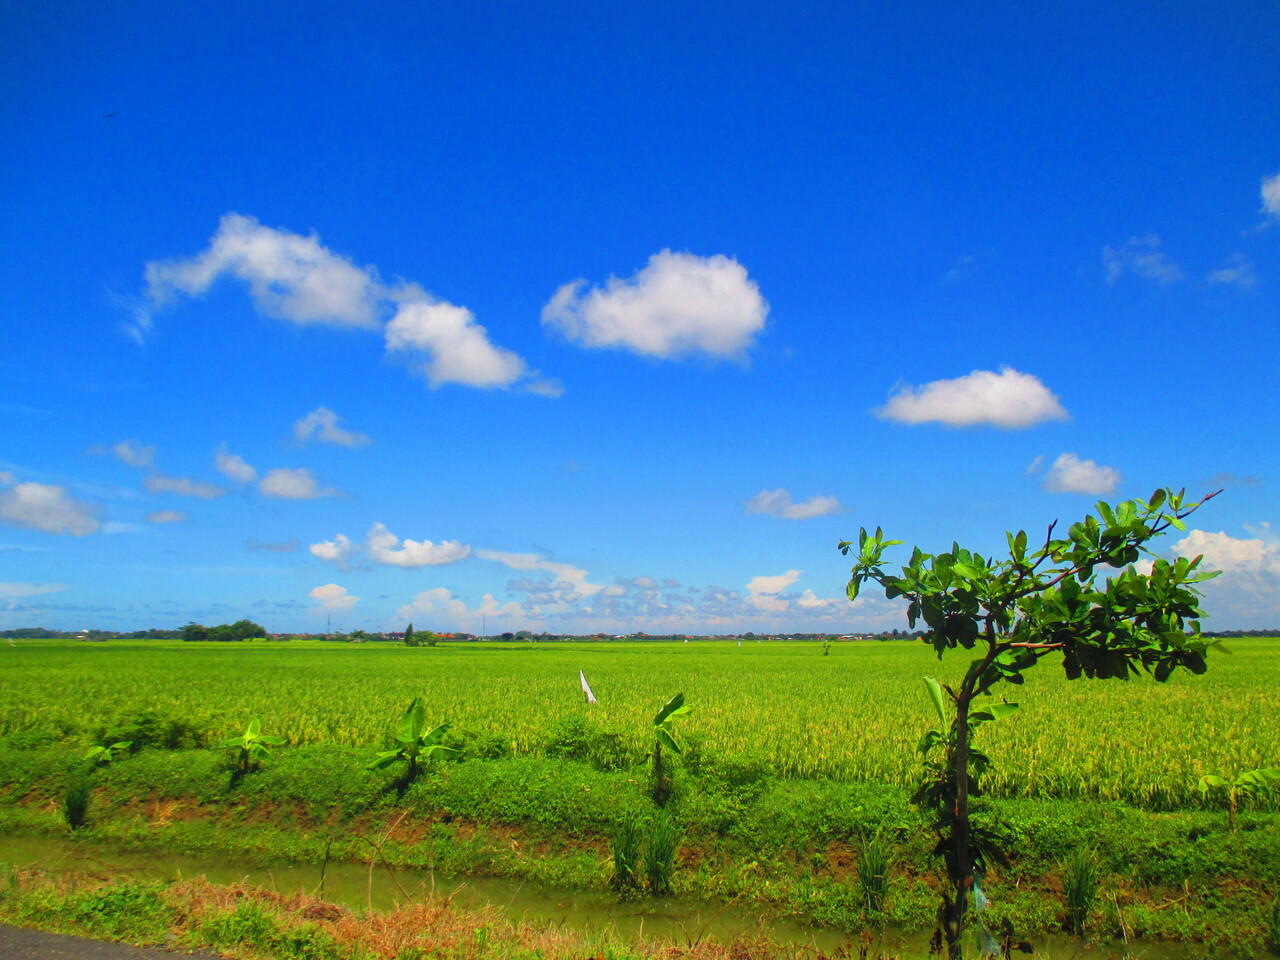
(100, 756)
(252, 746)
(1250, 783)
(662, 737)
(416, 744)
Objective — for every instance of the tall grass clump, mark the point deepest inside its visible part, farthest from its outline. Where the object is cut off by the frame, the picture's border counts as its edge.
(75, 801)
(873, 871)
(660, 853)
(626, 849)
(1080, 886)
(1274, 924)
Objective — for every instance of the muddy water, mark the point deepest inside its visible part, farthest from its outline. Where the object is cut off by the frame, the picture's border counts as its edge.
(677, 920)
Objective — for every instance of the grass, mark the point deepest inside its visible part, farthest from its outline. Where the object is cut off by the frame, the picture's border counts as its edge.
(250, 922)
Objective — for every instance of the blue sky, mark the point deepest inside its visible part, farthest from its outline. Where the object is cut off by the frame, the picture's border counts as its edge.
(577, 317)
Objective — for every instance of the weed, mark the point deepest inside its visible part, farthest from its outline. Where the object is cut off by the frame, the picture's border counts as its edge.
(75, 801)
(626, 848)
(660, 853)
(1274, 923)
(873, 871)
(1080, 886)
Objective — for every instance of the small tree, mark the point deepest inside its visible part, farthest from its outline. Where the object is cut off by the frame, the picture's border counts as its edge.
(251, 746)
(415, 743)
(1016, 612)
(410, 639)
(662, 737)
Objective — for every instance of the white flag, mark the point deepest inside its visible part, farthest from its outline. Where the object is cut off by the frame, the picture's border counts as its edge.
(586, 688)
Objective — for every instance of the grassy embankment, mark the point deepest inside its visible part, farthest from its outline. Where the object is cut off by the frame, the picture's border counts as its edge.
(539, 791)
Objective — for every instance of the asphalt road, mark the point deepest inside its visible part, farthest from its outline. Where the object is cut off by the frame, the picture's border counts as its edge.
(19, 944)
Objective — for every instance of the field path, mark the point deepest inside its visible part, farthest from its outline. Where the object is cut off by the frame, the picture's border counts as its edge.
(19, 944)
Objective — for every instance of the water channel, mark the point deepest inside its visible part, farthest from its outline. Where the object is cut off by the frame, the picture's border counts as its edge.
(677, 920)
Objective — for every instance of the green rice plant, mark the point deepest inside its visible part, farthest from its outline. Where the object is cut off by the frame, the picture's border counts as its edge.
(1080, 888)
(874, 861)
(660, 853)
(75, 801)
(626, 848)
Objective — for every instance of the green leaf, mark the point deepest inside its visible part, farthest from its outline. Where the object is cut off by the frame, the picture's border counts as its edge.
(254, 726)
(672, 705)
(1156, 499)
(664, 737)
(935, 693)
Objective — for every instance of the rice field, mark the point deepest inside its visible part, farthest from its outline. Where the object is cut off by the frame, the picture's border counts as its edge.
(779, 708)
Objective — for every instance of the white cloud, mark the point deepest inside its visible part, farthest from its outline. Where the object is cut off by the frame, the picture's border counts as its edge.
(778, 503)
(1229, 554)
(233, 466)
(439, 604)
(1009, 400)
(134, 454)
(322, 424)
(1070, 474)
(333, 551)
(1239, 272)
(385, 547)
(1142, 257)
(288, 484)
(45, 507)
(1271, 195)
(762, 591)
(809, 600)
(679, 304)
(565, 573)
(183, 486)
(458, 349)
(166, 516)
(333, 597)
(1247, 595)
(289, 276)
(296, 278)
(17, 591)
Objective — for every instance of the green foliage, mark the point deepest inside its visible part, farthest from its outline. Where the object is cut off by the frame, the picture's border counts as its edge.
(75, 801)
(410, 638)
(251, 746)
(1080, 887)
(129, 910)
(223, 633)
(150, 729)
(661, 842)
(101, 756)
(416, 744)
(1249, 784)
(1273, 924)
(1015, 612)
